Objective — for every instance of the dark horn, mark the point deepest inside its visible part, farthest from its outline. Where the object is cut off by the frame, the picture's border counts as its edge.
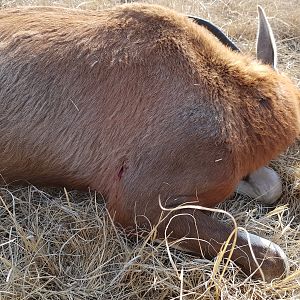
(216, 32)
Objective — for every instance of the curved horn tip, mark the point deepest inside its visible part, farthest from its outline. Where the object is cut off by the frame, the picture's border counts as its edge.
(261, 13)
(260, 9)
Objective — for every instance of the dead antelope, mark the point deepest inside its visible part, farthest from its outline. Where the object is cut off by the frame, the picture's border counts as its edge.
(142, 104)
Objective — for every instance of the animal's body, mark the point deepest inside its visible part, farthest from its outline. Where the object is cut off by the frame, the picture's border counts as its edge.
(139, 103)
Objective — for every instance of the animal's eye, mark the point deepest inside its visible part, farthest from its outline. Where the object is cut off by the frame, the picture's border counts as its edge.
(265, 102)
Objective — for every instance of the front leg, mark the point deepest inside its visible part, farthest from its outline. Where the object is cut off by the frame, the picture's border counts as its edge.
(263, 184)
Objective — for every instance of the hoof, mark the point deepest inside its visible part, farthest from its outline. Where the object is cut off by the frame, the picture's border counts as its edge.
(263, 184)
(270, 257)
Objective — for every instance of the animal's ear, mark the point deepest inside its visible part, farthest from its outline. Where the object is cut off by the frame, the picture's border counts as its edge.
(266, 50)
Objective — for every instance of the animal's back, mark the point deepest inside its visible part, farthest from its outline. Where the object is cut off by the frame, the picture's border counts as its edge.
(101, 80)
(85, 93)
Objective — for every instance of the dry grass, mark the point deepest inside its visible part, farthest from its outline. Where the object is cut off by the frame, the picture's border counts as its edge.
(58, 245)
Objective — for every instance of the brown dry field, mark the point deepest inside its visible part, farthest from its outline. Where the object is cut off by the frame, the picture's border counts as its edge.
(58, 244)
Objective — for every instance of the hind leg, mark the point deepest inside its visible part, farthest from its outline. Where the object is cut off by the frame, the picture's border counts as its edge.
(206, 235)
(133, 201)
(196, 232)
(263, 184)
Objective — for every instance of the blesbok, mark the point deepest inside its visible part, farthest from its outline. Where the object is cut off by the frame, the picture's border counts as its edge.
(148, 108)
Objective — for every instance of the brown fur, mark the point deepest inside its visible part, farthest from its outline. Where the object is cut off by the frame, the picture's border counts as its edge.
(137, 102)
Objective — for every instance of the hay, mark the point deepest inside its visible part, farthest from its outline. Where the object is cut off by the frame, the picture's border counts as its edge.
(62, 245)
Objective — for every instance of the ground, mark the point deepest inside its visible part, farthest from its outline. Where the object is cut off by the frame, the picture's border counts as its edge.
(59, 244)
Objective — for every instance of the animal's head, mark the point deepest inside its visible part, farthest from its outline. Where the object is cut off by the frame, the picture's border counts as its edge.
(266, 52)
(262, 103)
(286, 95)
(259, 106)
